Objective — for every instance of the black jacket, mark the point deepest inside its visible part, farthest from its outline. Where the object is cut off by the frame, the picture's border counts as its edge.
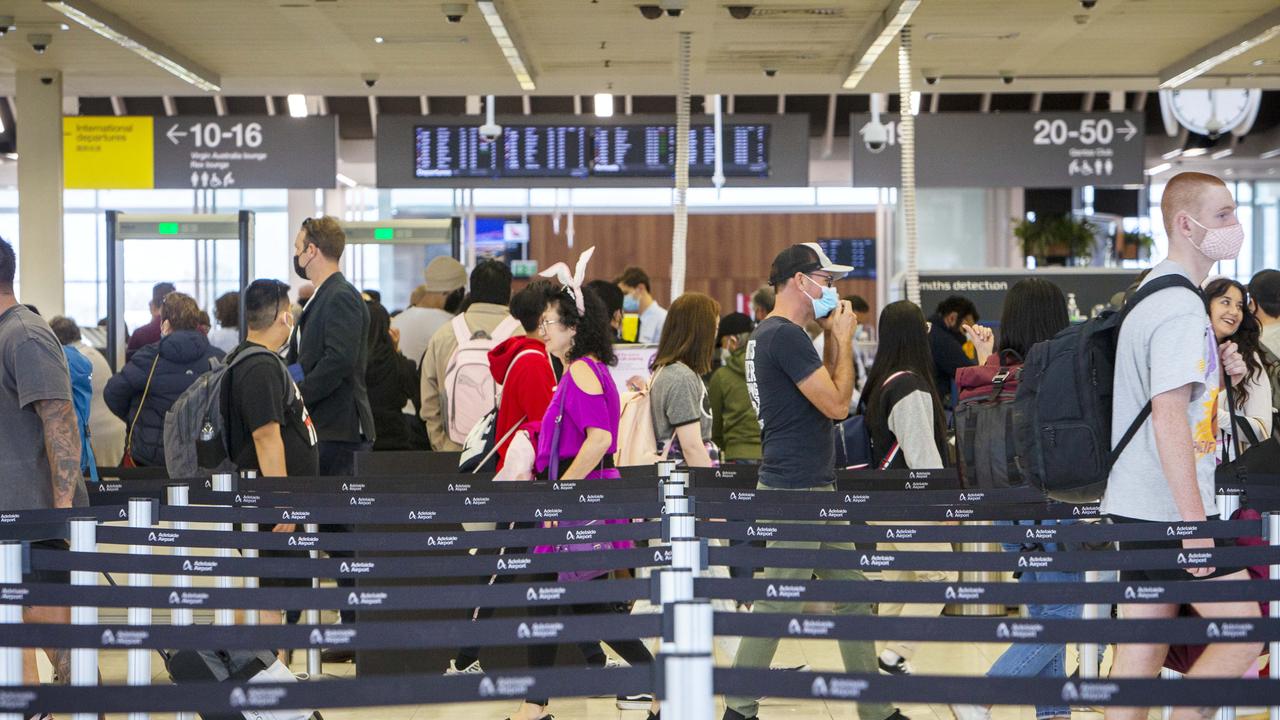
(947, 347)
(331, 344)
(183, 356)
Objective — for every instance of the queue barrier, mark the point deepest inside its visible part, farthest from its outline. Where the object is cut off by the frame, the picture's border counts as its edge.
(684, 674)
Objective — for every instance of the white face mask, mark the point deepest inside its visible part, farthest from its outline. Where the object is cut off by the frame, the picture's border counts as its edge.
(1222, 243)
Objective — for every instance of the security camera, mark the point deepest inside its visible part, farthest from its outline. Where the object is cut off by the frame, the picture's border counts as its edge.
(771, 72)
(875, 135)
(931, 79)
(40, 42)
(740, 12)
(1088, 4)
(370, 79)
(674, 8)
(453, 12)
(47, 80)
(1006, 79)
(650, 12)
(6, 24)
(490, 132)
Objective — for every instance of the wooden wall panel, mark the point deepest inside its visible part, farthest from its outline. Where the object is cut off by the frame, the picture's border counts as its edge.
(727, 254)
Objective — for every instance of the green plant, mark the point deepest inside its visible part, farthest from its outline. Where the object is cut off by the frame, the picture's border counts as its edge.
(1056, 236)
(1143, 241)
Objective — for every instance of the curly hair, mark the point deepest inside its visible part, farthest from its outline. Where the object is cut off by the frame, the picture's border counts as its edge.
(227, 310)
(1247, 337)
(594, 335)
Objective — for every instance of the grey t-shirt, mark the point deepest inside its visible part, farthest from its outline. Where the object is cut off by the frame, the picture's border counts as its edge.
(1166, 342)
(32, 368)
(677, 398)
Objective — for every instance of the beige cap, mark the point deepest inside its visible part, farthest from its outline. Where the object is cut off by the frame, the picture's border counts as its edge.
(444, 274)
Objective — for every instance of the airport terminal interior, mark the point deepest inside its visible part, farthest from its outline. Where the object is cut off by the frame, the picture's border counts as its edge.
(701, 358)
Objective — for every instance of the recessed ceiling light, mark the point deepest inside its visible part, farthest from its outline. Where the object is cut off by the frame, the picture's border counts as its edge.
(63, 26)
(379, 39)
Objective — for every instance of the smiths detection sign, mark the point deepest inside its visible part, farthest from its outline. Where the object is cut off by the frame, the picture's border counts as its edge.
(245, 151)
(1051, 149)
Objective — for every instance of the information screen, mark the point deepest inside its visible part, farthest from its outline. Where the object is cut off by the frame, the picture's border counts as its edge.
(858, 253)
(585, 151)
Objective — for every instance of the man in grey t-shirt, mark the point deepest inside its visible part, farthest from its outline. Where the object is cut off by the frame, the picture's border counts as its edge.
(1167, 355)
(39, 437)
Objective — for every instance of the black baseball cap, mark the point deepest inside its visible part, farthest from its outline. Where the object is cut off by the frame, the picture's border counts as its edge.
(734, 324)
(803, 258)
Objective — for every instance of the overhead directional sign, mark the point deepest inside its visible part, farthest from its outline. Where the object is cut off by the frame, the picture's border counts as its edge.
(1050, 149)
(246, 151)
(107, 152)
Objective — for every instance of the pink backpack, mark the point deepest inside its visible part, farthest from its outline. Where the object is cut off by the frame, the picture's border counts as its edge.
(637, 444)
(469, 392)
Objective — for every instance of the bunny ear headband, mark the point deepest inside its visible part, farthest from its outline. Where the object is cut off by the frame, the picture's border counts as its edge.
(572, 284)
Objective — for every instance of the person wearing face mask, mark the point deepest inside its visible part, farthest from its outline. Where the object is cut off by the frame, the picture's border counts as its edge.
(1227, 303)
(1169, 363)
(797, 395)
(638, 298)
(735, 429)
(157, 375)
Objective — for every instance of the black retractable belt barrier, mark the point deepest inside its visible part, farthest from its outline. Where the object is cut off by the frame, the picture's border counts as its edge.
(363, 692)
(106, 513)
(1188, 631)
(873, 497)
(1074, 593)
(1089, 532)
(834, 509)
(34, 531)
(399, 634)
(244, 498)
(438, 483)
(564, 509)
(991, 690)
(358, 568)
(391, 597)
(380, 541)
(745, 556)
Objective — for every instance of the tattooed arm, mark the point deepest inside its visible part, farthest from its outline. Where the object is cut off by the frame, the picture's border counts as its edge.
(62, 444)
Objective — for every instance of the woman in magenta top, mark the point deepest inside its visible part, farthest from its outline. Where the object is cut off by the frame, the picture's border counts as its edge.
(586, 408)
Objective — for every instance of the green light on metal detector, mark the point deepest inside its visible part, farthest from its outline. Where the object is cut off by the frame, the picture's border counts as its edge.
(167, 228)
(384, 233)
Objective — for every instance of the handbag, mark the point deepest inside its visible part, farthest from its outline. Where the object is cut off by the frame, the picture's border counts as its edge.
(553, 476)
(127, 461)
(1258, 463)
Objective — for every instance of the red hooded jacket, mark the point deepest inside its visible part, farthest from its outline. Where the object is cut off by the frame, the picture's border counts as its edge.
(527, 389)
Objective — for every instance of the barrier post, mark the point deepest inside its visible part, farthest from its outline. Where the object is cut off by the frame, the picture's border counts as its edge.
(674, 493)
(1166, 712)
(139, 658)
(223, 482)
(84, 661)
(687, 690)
(1090, 653)
(979, 576)
(1273, 665)
(665, 468)
(10, 657)
(179, 496)
(311, 614)
(250, 616)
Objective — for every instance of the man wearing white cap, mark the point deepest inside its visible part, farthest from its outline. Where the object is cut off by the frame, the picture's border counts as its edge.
(444, 276)
(796, 395)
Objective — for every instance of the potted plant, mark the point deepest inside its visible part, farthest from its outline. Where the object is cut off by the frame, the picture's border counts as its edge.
(1136, 245)
(1056, 239)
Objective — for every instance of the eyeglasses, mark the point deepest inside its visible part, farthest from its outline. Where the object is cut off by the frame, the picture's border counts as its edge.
(822, 280)
(543, 325)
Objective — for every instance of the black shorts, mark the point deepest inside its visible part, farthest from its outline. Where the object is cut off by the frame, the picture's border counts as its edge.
(1167, 574)
(59, 577)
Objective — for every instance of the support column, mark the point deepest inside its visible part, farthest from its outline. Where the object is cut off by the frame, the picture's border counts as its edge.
(39, 115)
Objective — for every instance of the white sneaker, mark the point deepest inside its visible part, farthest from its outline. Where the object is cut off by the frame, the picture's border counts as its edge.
(472, 669)
(970, 712)
(612, 663)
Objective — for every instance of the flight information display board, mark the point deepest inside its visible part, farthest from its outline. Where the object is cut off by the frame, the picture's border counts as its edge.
(585, 151)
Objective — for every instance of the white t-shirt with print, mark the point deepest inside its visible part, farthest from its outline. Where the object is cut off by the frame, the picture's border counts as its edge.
(1166, 342)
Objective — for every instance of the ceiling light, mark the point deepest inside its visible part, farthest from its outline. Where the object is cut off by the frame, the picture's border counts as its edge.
(1214, 54)
(2, 127)
(297, 105)
(1174, 153)
(125, 35)
(603, 104)
(895, 17)
(64, 27)
(1221, 154)
(915, 102)
(1194, 152)
(507, 44)
(345, 180)
(1269, 154)
(379, 39)
(1158, 169)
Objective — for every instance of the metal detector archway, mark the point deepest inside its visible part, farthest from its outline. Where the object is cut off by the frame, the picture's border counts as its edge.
(122, 227)
(440, 232)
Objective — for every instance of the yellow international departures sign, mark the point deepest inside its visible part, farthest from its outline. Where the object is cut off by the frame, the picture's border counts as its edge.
(108, 153)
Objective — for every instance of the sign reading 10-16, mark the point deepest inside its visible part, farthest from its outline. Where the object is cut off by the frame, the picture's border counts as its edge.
(1051, 149)
(245, 151)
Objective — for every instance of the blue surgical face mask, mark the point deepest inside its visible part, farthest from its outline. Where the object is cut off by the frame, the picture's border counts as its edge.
(823, 306)
(630, 304)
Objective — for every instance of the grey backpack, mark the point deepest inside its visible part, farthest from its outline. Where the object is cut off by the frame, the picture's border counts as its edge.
(195, 428)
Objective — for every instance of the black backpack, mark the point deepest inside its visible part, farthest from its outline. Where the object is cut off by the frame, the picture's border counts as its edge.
(984, 426)
(1062, 412)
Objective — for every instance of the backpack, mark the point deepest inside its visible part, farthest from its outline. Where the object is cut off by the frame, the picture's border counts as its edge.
(637, 443)
(469, 390)
(984, 424)
(195, 428)
(481, 447)
(1062, 410)
(853, 437)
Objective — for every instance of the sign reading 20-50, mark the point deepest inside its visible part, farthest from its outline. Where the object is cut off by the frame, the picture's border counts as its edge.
(254, 151)
(1089, 131)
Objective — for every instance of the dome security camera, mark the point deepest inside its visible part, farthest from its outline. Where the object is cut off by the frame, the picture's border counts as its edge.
(740, 12)
(40, 42)
(931, 79)
(370, 79)
(453, 12)
(674, 8)
(650, 12)
(771, 72)
(1088, 4)
(875, 135)
(6, 24)
(1006, 79)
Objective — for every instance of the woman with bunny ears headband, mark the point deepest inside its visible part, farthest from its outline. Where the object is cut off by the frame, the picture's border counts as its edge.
(578, 438)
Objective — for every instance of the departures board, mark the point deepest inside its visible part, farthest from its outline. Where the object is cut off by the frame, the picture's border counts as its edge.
(569, 151)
